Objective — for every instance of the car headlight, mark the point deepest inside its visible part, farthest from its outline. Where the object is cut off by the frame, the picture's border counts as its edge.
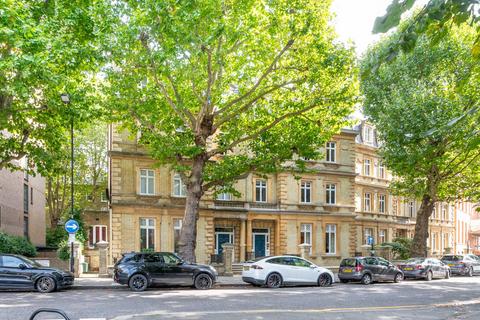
(213, 270)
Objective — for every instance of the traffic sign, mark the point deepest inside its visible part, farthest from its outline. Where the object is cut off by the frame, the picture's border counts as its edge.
(370, 240)
(72, 226)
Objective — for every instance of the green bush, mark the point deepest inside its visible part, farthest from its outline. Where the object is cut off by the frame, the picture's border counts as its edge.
(16, 245)
(401, 248)
(56, 236)
(63, 251)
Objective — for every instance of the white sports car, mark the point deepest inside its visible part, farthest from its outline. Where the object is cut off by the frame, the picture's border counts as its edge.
(278, 271)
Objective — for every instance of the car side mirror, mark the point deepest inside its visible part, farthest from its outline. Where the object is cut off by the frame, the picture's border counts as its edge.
(22, 266)
(312, 266)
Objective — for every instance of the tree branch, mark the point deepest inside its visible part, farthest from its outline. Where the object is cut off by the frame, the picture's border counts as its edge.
(259, 132)
(262, 77)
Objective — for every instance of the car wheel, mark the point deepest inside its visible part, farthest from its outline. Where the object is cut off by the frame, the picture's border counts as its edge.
(138, 283)
(324, 280)
(274, 280)
(366, 279)
(46, 285)
(203, 282)
(470, 272)
(447, 274)
(343, 280)
(398, 278)
(429, 276)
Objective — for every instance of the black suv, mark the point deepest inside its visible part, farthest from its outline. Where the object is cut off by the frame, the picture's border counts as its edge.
(368, 269)
(141, 270)
(18, 272)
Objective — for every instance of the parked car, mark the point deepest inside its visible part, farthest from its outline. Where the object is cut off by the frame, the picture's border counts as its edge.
(466, 265)
(18, 272)
(425, 268)
(141, 270)
(277, 271)
(368, 270)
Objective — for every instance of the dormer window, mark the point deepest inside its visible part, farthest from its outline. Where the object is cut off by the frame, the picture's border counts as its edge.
(368, 134)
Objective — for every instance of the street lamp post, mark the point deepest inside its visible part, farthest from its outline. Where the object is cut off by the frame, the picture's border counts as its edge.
(66, 100)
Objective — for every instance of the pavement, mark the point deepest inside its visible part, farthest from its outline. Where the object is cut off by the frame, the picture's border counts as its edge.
(457, 298)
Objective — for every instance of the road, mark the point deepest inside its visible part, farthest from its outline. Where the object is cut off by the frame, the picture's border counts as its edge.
(456, 298)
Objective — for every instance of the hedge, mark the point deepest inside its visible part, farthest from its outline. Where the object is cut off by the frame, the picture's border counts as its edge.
(16, 245)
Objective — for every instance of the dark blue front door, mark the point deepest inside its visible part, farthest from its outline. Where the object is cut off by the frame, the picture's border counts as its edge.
(260, 241)
(221, 239)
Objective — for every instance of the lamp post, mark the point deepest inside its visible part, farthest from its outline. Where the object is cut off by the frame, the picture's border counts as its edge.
(66, 100)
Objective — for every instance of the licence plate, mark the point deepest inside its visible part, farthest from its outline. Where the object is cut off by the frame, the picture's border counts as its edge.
(246, 268)
(347, 270)
(408, 269)
(451, 265)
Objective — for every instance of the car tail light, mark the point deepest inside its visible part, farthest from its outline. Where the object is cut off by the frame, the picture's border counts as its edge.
(418, 267)
(358, 268)
(462, 264)
(254, 266)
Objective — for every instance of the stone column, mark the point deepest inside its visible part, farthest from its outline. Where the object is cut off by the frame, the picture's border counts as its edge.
(304, 250)
(102, 247)
(227, 258)
(242, 240)
(77, 259)
(249, 238)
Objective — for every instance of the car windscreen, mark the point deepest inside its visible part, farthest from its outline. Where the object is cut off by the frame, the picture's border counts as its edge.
(415, 261)
(348, 263)
(31, 262)
(452, 258)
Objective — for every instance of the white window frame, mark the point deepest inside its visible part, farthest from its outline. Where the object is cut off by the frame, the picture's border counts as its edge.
(381, 170)
(331, 234)
(261, 185)
(224, 196)
(368, 234)
(179, 189)
(330, 152)
(444, 212)
(367, 167)
(382, 236)
(331, 193)
(148, 227)
(368, 134)
(177, 226)
(367, 208)
(433, 242)
(145, 176)
(411, 209)
(305, 189)
(306, 230)
(382, 200)
(93, 231)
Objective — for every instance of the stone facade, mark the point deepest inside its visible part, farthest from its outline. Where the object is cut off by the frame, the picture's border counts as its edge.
(272, 215)
(22, 205)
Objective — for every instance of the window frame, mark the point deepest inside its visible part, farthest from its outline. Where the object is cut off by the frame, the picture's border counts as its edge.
(262, 188)
(331, 152)
(382, 200)
(330, 229)
(331, 188)
(179, 189)
(148, 227)
(92, 241)
(147, 177)
(369, 198)
(366, 172)
(306, 190)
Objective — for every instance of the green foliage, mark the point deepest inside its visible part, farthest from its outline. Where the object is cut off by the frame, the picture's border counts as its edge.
(46, 48)
(63, 250)
(16, 245)
(55, 236)
(434, 20)
(264, 79)
(400, 248)
(425, 105)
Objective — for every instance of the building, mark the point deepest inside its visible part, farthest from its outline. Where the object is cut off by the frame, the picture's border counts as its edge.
(273, 215)
(22, 204)
(335, 208)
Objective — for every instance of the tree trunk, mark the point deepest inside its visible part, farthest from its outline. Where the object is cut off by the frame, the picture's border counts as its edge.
(188, 234)
(419, 244)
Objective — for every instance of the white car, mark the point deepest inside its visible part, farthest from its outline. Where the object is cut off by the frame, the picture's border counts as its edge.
(278, 271)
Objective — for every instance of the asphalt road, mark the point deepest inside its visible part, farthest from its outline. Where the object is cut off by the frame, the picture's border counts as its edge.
(456, 298)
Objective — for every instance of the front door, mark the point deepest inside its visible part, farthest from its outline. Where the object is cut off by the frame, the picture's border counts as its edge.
(222, 235)
(11, 275)
(260, 242)
(154, 266)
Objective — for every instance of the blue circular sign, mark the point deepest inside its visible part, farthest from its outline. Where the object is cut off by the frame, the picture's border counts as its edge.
(72, 226)
(370, 240)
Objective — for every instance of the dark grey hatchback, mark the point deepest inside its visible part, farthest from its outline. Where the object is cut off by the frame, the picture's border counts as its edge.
(18, 272)
(368, 270)
(141, 270)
